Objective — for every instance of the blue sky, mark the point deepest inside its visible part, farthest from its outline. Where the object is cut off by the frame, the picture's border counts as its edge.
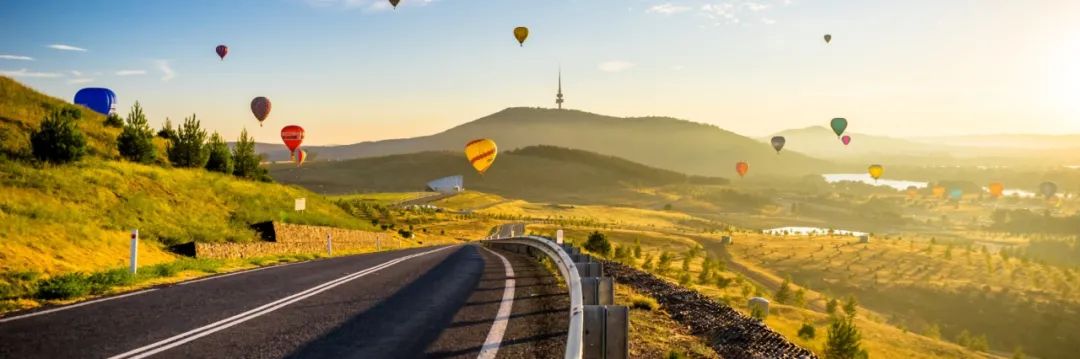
(354, 70)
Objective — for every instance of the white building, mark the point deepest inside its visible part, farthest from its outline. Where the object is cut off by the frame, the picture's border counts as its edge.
(450, 184)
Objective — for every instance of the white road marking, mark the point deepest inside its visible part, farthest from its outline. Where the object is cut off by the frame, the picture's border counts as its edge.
(76, 305)
(223, 324)
(502, 318)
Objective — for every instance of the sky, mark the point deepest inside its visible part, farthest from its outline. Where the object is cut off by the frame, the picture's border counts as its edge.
(357, 70)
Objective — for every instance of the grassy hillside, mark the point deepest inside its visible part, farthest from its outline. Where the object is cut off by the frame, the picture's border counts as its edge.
(661, 142)
(540, 173)
(22, 109)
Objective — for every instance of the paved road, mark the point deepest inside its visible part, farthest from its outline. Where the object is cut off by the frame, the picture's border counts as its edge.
(447, 302)
(510, 230)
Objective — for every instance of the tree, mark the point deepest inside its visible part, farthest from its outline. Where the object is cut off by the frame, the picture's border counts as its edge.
(843, 339)
(220, 159)
(598, 243)
(664, 263)
(800, 298)
(783, 295)
(667, 207)
(807, 331)
(648, 264)
(245, 161)
(167, 131)
(58, 140)
(114, 121)
(832, 305)
(136, 141)
(851, 306)
(188, 148)
(637, 248)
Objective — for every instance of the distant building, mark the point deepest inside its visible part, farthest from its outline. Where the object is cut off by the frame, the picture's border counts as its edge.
(450, 184)
(725, 240)
(558, 96)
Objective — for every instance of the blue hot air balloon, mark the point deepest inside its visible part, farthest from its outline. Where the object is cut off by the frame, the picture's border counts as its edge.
(101, 100)
(955, 194)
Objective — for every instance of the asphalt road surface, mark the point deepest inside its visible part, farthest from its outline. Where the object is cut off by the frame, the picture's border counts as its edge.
(447, 302)
(510, 230)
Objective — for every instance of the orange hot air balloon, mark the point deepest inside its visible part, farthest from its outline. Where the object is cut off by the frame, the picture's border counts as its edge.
(742, 168)
(996, 189)
(481, 153)
(293, 136)
(521, 33)
(301, 156)
(939, 191)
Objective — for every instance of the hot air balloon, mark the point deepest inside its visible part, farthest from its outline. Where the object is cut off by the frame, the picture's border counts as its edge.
(260, 107)
(876, 171)
(222, 50)
(301, 156)
(521, 33)
(955, 194)
(939, 191)
(394, 3)
(828, 38)
(996, 189)
(101, 100)
(912, 191)
(838, 126)
(1048, 189)
(481, 153)
(778, 143)
(741, 168)
(846, 140)
(293, 136)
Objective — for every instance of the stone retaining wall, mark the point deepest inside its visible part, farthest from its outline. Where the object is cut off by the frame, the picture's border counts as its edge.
(292, 233)
(300, 239)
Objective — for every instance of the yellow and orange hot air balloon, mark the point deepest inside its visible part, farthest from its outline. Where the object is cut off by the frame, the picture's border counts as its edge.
(876, 171)
(939, 191)
(741, 168)
(301, 156)
(481, 153)
(996, 189)
(521, 33)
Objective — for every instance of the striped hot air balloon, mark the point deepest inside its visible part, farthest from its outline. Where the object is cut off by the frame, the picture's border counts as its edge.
(481, 153)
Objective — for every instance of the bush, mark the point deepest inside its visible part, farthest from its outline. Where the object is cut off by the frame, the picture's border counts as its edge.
(136, 142)
(405, 233)
(102, 281)
(245, 161)
(167, 132)
(220, 159)
(643, 302)
(114, 121)
(64, 287)
(188, 148)
(807, 331)
(598, 243)
(58, 140)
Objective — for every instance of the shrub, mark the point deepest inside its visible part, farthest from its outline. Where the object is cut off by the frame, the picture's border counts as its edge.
(64, 287)
(136, 142)
(188, 148)
(598, 243)
(643, 302)
(114, 121)
(58, 140)
(245, 161)
(405, 233)
(220, 159)
(102, 281)
(807, 331)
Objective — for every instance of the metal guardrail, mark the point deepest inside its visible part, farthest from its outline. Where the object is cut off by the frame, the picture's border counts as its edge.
(575, 334)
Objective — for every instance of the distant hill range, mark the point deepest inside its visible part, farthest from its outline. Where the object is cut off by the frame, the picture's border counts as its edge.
(661, 142)
(539, 173)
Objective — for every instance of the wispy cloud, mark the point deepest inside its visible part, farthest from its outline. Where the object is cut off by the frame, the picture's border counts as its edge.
(167, 72)
(63, 47)
(725, 12)
(615, 66)
(76, 73)
(27, 73)
(131, 72)
(667, 9)
(16, 57)
(767, 21)
(80, 81)
(757, 7)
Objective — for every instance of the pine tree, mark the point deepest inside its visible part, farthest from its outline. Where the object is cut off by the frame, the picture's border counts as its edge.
(832, 305)
(167, 131)
(851, 306)
(58, 140)
(188, 148)
(220, 159)
(136, 141)
(783, 295)
(844, 339)
(245, 161)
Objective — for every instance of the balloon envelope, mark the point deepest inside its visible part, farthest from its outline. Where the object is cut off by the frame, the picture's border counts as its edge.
(292, 136)
(481, 153)
(394, 3)
(846, 140)
(221, 51)
(955, 194)
(260, 107)
(778, 143)
(521, 33)
(301, 156)
(1048, 189)
(101, 100)
(838, 126)
(876, 171)
(828, 38)
(939, 191)
(741, 168)
(996, 189)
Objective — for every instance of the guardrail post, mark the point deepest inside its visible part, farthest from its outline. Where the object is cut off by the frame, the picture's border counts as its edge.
(606, 332)
(134, 258)
(598, 290)
(590, 269)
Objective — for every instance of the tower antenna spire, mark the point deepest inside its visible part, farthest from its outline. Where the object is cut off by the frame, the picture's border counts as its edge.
(559, 96)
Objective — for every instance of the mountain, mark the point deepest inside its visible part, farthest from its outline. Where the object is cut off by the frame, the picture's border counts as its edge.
(537, 173)
(661, 142)
(1011, 141)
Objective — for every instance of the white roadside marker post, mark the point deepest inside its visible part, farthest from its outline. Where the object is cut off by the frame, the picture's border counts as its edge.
(134, 251)
(329, 245)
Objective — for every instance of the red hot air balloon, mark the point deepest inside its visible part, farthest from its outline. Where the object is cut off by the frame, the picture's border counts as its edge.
(742, 168)
(222, 50)
(292, 135)
(260, 107)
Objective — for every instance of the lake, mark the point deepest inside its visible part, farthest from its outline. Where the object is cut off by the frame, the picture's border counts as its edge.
(865, 178)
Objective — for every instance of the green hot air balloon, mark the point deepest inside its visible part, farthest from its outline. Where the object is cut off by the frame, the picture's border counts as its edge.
(838, 126)
(1048, 189)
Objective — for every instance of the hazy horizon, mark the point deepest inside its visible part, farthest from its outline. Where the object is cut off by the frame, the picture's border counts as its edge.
(353, 70)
